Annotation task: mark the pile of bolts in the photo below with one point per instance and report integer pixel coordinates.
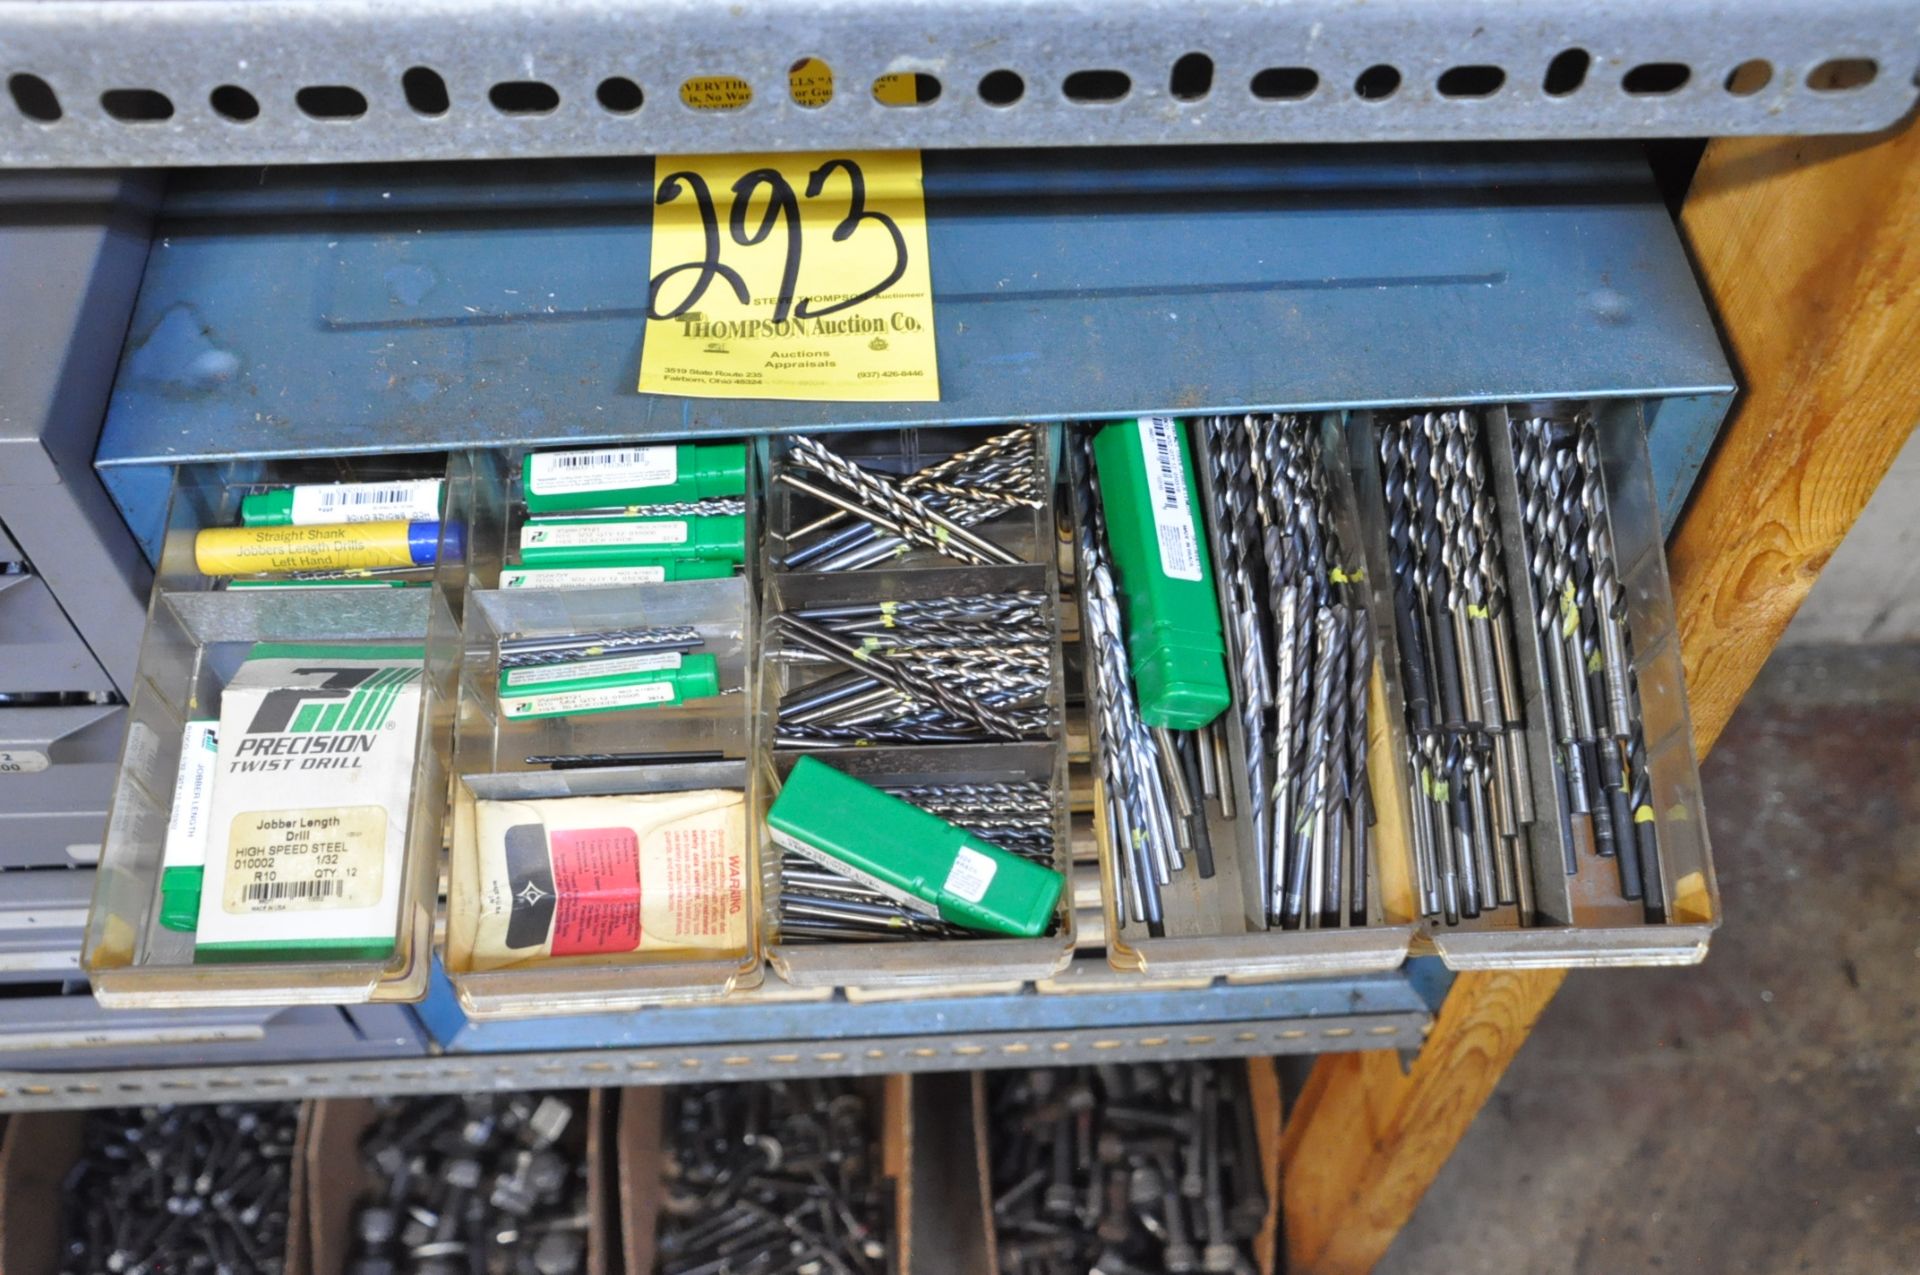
(199, 1190)
(475, 1185)
(1125, 1170)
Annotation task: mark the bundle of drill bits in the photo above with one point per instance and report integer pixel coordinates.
(477, 1185)
(876, 517)
(1473, 797)
(1301, 652)
(922, 671)
(819, 905)
(1125, 1170)
(775, 1177)
(532, 651)
(1139, 812)
(170, 1190)
(1593, 693)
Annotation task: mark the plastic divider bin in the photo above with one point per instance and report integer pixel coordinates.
(1583, 920)
(1214, 926)
(492, 752)
(1027, 533)
(925, 967)
(911, 968)
(197, 636)
(496, 512)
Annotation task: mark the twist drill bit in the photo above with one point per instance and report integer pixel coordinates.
(1606, 663)
(707, 507)
(1127, 767)
(1427, 466)
(525, 652)
(1003, 458)
(1460, 817)
(1455, 901)
(1493, 568)
(1306, 873)
(1360, 804)
(1559, 486)
(1273, 848)
(1413, 656)
(1610, 601)
(1541, 513)
(910, 517)
(902, 677)
(1328, 903)
(1646, 836)
(1227, 469)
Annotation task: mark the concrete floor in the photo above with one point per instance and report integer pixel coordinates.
(1760, 1113)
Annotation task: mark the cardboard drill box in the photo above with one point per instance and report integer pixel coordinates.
(308, 837)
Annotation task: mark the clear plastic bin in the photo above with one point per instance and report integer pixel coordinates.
(197, 635)
(1214, 927)
(1582, 920)
(912, 968)
(700, 743)
(1026, 533)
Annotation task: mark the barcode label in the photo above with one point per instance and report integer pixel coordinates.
(602, 469)
(275, 891)
(417, 500)
(1172, 501)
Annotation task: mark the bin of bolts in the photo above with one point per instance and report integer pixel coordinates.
(168, 1190)
(1125, 1169)
(777, 1177)
(487, 1183)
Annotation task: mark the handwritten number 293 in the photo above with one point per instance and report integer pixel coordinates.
(783, 205)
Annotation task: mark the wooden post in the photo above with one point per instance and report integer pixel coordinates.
(1810, 248)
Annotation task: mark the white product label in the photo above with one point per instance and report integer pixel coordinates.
(911, 902)
(575, 535)
(305, 860)
(186, 845)
(307, 839)
(970, 875)
(651, 662)
(416, 500)
(606, 697)
(23, 761)
(603, 469)
(1172, 504)
(581, 577)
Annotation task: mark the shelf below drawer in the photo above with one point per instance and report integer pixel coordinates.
(760, 1036)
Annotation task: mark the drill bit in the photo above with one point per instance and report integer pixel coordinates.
(969, 487)
(1225, 454)
(1540, 514)
(518, 651)
(1128, 769)
(881, 501)
(1360, 798)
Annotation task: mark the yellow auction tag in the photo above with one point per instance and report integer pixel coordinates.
(794, 276)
